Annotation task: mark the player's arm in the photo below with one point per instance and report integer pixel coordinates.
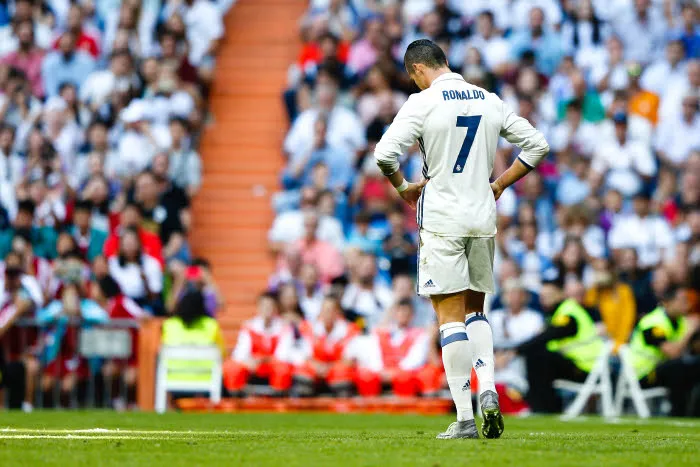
(406, 128)
(516, 130)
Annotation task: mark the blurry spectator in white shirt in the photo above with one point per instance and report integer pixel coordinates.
(205, 28)
(649, 234)
(513, 325)
(344, 128)
(138, 145)
(11, 165)
(667, 72)
(366, 296)
(493, 47)
(623, 164)
(642, 28)
(99, 85)
(140, 276)
(608, 72)
(677, 136)
(574, 134)
(672, 100)
(310, 292)
(185, 168)
(288, 226)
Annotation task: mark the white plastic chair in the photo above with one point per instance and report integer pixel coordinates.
(169, 383)
(598, 382)
(628, 387)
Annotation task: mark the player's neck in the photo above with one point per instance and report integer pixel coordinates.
(435, 74)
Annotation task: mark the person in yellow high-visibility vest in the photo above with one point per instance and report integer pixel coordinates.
(191, 326)
(659, 349)
(567, 348)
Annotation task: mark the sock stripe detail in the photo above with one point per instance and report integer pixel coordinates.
(458, 336)
(477, 317)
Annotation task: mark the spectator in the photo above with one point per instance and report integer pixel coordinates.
(512, 326)
(99, 86)
(288, 227)
(642, 102)
(67, 64)
(28, 57)
(623, 164)
(659, 344)
(90, 240)
(538, 37)
(192, 326)
(677, 136)
(614, 300)
(25, 10)
(43, 238)
(529, 260)
(397, 356)
(365, 52)
(399, 246)
(591, 106)
(255, 348)
(64, 364)
(139, 275)
(185, 165)
(205, 29)
(493, 48)
(646, 232)
(318, 252)
(107, 294)
(641, 28)
(317, 357)
(161, 215)
(139, 144)
(85, 40)
(11, 168)
(18, 107)
(312, 293)
(666, 72)
(366, 297)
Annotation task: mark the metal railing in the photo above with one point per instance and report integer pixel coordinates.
(70, 363)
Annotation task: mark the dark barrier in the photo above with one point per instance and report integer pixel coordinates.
(70, 364)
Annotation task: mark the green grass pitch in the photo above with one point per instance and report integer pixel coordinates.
(260, 440)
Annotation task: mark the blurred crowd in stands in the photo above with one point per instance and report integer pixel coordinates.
(102, 104)
(614, 85)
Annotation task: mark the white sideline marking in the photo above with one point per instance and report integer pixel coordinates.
(104, 433)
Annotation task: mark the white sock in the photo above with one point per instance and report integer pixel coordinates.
(458, 367)
(481, 343)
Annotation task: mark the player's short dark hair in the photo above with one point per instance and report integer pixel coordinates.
(426, 52)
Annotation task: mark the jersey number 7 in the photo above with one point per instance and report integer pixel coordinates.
(472, 124)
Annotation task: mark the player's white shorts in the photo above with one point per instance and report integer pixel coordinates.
(453, 264)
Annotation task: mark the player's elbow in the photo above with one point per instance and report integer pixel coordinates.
(388, 166)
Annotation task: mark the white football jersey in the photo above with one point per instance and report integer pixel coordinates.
(457, 126)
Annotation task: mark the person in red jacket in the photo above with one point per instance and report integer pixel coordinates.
(397, 356)
(255, 349)
(130, 216)
(313, 354)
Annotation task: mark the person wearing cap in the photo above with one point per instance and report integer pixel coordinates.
(659, 343)
(512, 325)
(623, 163)
(568, 347)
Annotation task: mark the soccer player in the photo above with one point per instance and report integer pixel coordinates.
(457, 126)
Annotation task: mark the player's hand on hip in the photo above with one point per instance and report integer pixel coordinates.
(412, 193)
(497, 190)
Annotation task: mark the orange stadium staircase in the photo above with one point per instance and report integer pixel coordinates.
(241, 151)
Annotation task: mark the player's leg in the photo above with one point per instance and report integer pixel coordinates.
(443, 276)
(480, 264)
(456, 358)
